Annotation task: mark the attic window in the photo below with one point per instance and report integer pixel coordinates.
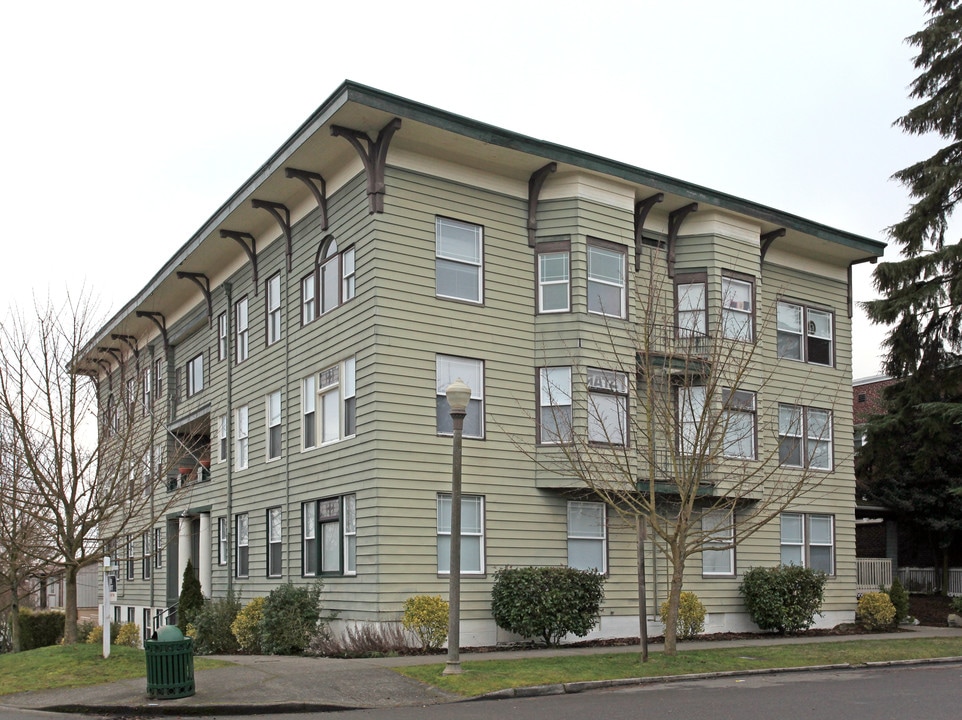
(861, 397)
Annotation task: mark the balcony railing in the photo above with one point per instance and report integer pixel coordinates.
(872, 574)
(676, 349)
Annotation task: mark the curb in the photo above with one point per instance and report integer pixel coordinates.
(196, 710)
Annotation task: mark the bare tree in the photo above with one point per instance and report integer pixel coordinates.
(93, 484)
(697, 466)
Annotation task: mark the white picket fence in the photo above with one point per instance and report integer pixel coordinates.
(930, 580)
(872, 574)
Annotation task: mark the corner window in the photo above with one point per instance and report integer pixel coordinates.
(606, 280)
(691, 305)
(308, 415)
(337, 527)
(472, 534)
(309, 533)
(337, 399)
(242, 555)
(738, 308)
(738, 407)
(718, 551)
(808, 540)
(241, 330)
(458, 260)
(554, 277)
(274, 542)
(274, 425)
(195, 375)
(222, 336)
(554, 405)
(308, 299)
(273, 292)
(805, 437)
(241, 428)
(587, 541)
(222, 541)
(607, 407)
(471, 372)
(805, 334)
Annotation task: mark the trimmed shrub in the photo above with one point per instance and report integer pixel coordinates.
(246, 626)
(957, 605)
(427, 617)
(129, 635)
(876, 611)
(191, 598)
(691, 616)
(212, 627)
(40, 628)
(547, 602)
(96, 634)
(84, 628)
(785, 599)
(900, 600)
(292, 616)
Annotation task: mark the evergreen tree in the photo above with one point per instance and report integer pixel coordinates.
(191, 598)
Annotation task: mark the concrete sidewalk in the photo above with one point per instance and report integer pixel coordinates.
(257, 684)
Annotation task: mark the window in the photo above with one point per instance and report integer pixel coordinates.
(471, 372)
(606, 280)
(692, 427)
(131, 614)
(222, 336)
(738, 295)
(805, 334)
(458, 260)
(158, 546)
(607, 407)
(808, 540)
(241, 565)
(308, 299)
(195, 375)
(337, 523)
(348, 289)
(554, 278)
(274, 425)
(586, 536)
(691, 302)
(129, 550)
(472, 534)
(241, 417)
(308, 405)
(554, 405)
(718, 553)
(222, 541)
(158, 378)
(337, 400)
(738, 407)
(805, 437)
(146, 555)
(241, 330)
(309, 532)
(146, 393)
(273, 291)
(274, 542)
(222, 438)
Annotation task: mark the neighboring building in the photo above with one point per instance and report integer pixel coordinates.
(300, 343)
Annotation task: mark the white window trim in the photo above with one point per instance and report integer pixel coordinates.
(734, 409)
(729, 306)
(222, 541)
(223, 442)
(603, 383)
(479, 230)
(602, 539)
(274, 421)
(719, 530)
(309, 533)
(806, 543)
(551, 395)
(464, 533)
(803, 334)
(477, 393)
(308, 408)
(622, 286)
(273, 315)
(309, 299)
(340, 390)
(242, 437)
(801, 436)
(275, 539)
(243, 541)
(222, 336)
(241, 330)
(542, 283)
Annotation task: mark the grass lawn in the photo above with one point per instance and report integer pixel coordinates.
(483, 676)
(68, 666)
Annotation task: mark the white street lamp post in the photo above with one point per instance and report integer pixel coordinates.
(458, 395)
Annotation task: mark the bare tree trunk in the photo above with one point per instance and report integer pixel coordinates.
(674, 600)
(15, 623)
(642, 590)
(70, 606)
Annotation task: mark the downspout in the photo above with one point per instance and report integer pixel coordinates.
(154, 464)
(230, 440)
(287, 439)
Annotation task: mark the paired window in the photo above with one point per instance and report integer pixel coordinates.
(718, 550)
(274, 425)
(222, 438)
(146, 555)
(308, 299)
(222, 541)
(606, 280)
(459, 248)
(242, 551)
(805, 334)
(273, 292)
(334, 521)
(738, 308)
(739, 423)
(241, 330)
(471, 372)
(308, 412)
(222, 336)
(805, 437)
(334, 280)
(274, 542)
(158, 546)
(808, 540)
(195, 375)
(587, 538)
(241, 428)
(554, 277)
(472, 534)
(607, 407)
(337, 397)
(554, 405)
(691, 303)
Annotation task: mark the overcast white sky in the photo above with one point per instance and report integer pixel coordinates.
(127, 124)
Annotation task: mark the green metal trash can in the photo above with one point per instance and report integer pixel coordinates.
(170, 665)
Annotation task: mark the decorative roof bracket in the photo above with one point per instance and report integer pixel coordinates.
(116, 354)
(203, 282)
(851, 302)
(282, 215)
(242, 238)
(675, 219)
(767, 239)
(642, 208)
(105, 366)
(535, 183)
(315, 183)
(374, 157)
(130, 341)
(161, 324)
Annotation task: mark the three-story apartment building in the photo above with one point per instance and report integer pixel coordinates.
(293, 357)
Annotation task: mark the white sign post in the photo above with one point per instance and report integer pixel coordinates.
(110, 589)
